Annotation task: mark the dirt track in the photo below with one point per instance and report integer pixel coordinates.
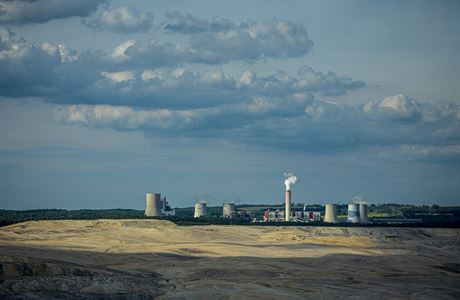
(144, 259)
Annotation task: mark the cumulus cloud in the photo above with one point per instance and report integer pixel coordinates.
(121, 19)
(23, 65)
(328, 84)
(399, 107)
(179, 22)
(255, 40)
(310, 125)
(118, 76)
(41, 11)
(229, 116)
(31, 70)
(63, 75)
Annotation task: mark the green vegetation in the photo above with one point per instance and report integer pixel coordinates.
(373, 214)
(432, 216)
(8, 217)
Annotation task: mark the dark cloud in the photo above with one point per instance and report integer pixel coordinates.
(26, 12)
(66, 76)
(120, 19)
(46, 70)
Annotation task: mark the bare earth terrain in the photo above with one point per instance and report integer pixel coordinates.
(138, 259)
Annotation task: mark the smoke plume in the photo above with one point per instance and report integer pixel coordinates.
(290, 180)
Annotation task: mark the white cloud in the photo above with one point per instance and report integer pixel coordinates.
(119, 52)
(152, 74)
(117, 77)
(400, 105)
(121, 19)
(123, 118)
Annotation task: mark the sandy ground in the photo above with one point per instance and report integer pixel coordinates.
(142, 259)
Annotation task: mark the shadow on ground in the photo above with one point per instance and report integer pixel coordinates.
(28, 272)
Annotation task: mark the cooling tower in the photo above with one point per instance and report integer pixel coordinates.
(200, 209)
(229, 210)
(330, 215)
(353, 216)
(287, 214)
(363, 210)
(153, 205)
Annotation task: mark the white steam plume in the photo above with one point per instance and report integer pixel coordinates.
(290, 181)
(358, 199)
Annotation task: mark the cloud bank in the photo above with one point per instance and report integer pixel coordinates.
(41, 11)
(307, 125)
(180, 89)
(145, 75)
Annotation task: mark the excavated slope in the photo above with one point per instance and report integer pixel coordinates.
(152, 258)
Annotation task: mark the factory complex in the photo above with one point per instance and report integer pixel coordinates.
(156, 206)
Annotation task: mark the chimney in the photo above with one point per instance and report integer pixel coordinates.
(287, 212)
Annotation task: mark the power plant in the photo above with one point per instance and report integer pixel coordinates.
(229, 210)
(200, 209)
(330, 214)
(357, 210)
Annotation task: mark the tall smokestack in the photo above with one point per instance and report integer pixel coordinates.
(287, 211)
(289, 182)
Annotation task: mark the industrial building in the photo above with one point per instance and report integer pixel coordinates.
(330, 214)
(358, 211)
(229, 210)
(166, 208)
(363, 213)
(200, 209)
(155, 206)
(296, 216)
(353, 213)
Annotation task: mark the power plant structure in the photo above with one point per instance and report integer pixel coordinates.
(363, 213)
(289, 182)
(166, 209)
(153, 205)
(357, 209)
(287, 214)
(229, 210)
(330, 214)
(353, 213)
(200, 209)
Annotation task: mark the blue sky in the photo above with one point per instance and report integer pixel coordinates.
(103, 101)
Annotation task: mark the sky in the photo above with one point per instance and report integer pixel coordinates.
(104, 101)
